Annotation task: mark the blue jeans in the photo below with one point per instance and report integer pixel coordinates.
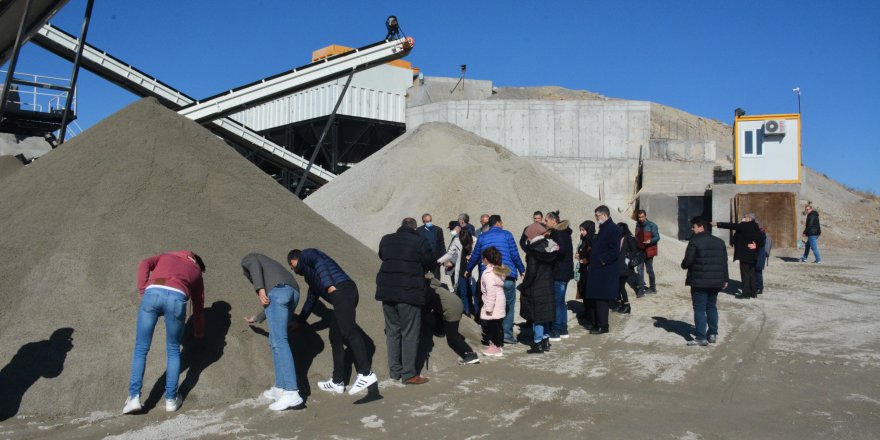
(155, 303)
(560, 322)
(509, 309)
(705, 312)
(282, 302)
(464, 292)
(811, 244)
(538, 328)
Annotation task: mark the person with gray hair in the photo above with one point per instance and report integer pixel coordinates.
(747, 239)
(464, 220)
(401, 286)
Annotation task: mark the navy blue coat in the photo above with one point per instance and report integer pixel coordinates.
(320, 272)
(604, 268)
(406, 256)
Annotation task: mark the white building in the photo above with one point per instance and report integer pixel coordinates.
(768, 149)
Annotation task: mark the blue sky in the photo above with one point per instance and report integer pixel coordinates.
(704, 57)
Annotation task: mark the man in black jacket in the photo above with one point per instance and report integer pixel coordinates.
(811, 234)
(401, 286)
(706, 262)
(328, 281)
(746, 242)
(434, 236)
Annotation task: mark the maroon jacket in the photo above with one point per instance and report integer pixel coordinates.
(180, 271)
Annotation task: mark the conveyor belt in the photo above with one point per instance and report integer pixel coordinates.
(136, 81)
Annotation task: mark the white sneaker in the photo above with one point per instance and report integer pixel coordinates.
(331, 387)
(565, 336)
(272, 393)
(172, 405)
(362, 382)
(288, 399)
(555, 339)
(132, 404)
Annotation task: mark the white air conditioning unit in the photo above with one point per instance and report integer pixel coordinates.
(774, 127)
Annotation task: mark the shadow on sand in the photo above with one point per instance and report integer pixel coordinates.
(32, 361)
(681, 328)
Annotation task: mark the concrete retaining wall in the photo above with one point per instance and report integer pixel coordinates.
(676, 177)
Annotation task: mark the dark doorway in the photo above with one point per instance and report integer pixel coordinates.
(688, 208)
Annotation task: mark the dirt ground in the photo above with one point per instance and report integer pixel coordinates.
(799, 362)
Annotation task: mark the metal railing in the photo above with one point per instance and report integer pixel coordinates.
(39, 93)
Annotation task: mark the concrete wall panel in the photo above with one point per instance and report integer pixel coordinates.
(566, 123)
(516, 135)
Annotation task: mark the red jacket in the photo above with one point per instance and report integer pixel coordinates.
(179, 271)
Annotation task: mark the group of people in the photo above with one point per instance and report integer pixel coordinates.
(483, 265)
(167, 281)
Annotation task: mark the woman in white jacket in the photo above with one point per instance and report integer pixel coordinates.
(454, 261)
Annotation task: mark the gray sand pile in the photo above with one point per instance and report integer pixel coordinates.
(143, 181)
(9, 165)
(443, 169)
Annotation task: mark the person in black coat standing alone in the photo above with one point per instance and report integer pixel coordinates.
(434, 235)
(537, 297)
(604, 270)
(401, 286)
(706, 262)
(746, 242)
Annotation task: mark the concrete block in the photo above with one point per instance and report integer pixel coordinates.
(682, 150)
(676, 177)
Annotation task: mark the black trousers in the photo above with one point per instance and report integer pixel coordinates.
(599, 312)
(344, 331)
(622, 295)
(455, 340)
(749, 279)
(494, 331)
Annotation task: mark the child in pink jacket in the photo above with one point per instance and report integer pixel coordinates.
(492, 313)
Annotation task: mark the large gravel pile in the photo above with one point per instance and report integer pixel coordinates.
(146, 180)
(9, 165)
(444, 170)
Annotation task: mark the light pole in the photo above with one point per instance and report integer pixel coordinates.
(797, 91)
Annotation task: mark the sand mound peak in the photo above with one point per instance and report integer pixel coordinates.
(444, 170)
(143, 181)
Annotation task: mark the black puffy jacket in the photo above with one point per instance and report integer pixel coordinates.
(706, 262)
(538, 296)
(629, 250)
(406, 256)
(563, 268)
(746, 232)
(812, 225)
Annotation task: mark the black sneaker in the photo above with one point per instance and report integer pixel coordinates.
(536, 348)
(700, 342)
(599, 331)
(713, 339)
(652, 290)
(469, 359)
